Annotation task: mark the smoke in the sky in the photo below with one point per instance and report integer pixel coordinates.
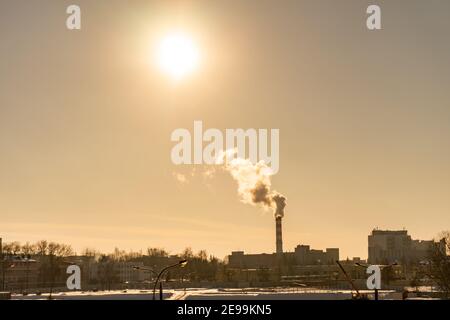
(254, 185)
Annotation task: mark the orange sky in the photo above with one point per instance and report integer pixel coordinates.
(86, 117)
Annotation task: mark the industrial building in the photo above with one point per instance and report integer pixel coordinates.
(303, 255)
(19, 272)
(386, 246)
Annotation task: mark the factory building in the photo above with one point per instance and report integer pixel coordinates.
(386, 246)
(302, 256)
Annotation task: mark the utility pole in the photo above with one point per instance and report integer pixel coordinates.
(2, 263)
(28, 271)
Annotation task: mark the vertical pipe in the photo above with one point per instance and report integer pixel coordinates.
(279, 235)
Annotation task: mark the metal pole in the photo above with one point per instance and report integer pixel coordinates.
(348, 278)
(160, 291)
(156, 283)
(26, 282)
(181, 263)
(159, 276)
(3, 274)
(2, 262)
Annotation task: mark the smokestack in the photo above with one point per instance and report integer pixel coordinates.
(254, 187)
(279, 235)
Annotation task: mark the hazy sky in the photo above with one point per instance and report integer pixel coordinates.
(86, 118)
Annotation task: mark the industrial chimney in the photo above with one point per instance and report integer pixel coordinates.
(279, 235)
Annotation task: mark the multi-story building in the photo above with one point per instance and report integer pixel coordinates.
(306, 256)
(387, 247)
(19, 273)
(302, 255)
(127, 271)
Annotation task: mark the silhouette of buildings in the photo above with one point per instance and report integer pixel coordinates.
(386, 246)
(302, 256)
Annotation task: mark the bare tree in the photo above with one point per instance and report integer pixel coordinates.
(52, 256)
(187, 253)
(107, 272)
(41, 247)
(118, 255)
(440, 263)
(202, 255)
(12, 248)
(89, 252)
(29, 249)
(157, 252)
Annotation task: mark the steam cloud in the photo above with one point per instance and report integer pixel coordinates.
(254, 184)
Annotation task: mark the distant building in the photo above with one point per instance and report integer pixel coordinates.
(238, 259)
(127, 272)
(19, 273)
(89, 268)
(302, 256)
(387, 246)
(305, 256)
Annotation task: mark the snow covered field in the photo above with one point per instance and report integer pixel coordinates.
(100, 295)
(210, 294)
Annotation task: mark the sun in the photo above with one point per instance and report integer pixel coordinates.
(178, 55)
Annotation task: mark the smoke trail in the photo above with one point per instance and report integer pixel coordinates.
(280, 203)
(254, 185)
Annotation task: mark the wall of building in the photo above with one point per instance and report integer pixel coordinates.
(303, 255)
(20, 273)
(387, 247)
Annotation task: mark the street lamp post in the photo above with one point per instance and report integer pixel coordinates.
(181, 264)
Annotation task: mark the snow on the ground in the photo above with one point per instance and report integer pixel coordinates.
(214, 294)
(100, 295)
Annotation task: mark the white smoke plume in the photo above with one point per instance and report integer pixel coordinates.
(254, 185)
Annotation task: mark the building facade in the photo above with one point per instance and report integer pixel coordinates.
(302, 256)
(386, 247)
(19, 273)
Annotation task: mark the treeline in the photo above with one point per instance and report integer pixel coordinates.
(200, 266)
(440, 264)
(151, 255)
(54, 257)
(51, 257)
(40, 248)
